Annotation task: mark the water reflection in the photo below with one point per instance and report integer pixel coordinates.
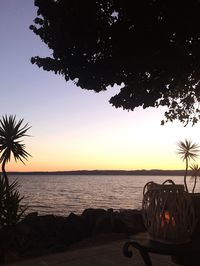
(62, 194)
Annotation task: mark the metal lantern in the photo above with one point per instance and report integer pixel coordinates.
(168, 212)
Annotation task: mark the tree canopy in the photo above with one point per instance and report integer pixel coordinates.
(149, 47)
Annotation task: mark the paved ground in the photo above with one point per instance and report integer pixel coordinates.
(109, 254)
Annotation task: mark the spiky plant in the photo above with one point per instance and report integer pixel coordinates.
(188, 151)
(195, 174)
(11, 132)
(10, 209)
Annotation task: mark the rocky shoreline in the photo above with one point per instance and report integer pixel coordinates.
(39, 235)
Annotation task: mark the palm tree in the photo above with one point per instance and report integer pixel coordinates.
(195, 173)
(188, 151)
(11, 131)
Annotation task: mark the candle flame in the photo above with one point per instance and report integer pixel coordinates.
(167, 219)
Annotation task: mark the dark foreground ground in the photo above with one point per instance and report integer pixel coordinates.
(42, 235)
(95, 237)
(94, 253)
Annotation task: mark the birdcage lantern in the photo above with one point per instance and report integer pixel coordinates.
(168, 212)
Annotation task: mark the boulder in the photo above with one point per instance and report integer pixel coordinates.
(90, 216)
(133, 221)
(74, 229)
(109, 223)
(42, 235)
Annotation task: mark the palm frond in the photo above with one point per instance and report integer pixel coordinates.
(11, 131)
(188, 150)
(195, 170)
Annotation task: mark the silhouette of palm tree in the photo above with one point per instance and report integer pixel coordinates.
(195, 173)
(188, 151)
(11, 131)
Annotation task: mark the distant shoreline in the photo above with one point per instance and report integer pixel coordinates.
(106, 172)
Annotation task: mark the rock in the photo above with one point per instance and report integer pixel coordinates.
(43, 234)
(133, 221)
(120, 226)
(31, 215)
(22, 235)
(49, 232)
(103, 225)
(110, 223)
(126, 221)
(74, 229)
(90, 216)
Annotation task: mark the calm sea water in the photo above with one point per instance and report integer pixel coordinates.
(62, 194)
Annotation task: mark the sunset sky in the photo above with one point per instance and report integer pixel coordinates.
(73, 128)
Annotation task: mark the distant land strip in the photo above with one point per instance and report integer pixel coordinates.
(107, 172)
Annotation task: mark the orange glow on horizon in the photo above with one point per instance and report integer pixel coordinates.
(93, 163)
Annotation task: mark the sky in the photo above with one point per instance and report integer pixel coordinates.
(71, 128)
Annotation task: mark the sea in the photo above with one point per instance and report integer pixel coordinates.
(63, 194)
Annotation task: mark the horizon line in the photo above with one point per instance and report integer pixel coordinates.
(96, 171)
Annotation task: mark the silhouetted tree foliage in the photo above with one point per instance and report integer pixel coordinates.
(150, 47)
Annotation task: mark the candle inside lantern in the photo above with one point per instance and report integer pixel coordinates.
(166, 219)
